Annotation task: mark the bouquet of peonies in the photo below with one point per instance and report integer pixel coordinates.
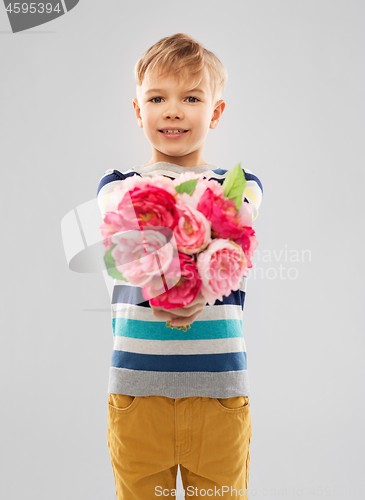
(176, 238)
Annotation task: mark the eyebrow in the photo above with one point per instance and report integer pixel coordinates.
(183, 92)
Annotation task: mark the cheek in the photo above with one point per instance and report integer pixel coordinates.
(150, 125)
(202, 121)
(203, 126)
(149, 117)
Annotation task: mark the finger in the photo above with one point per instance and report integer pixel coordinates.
(199, 299)
(185, 313)
(195, 307)
(189, 310)
(184, 321)
(163, 315)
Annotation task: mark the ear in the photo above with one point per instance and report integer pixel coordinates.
(217, 113)
(137, 110)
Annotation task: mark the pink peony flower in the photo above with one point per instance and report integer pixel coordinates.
(124, 211)
(247, 241)
(130, 183)
(223, 215)
(181, 284)
(150, 206)
(221, 267)
(192, 232)
(135, 255)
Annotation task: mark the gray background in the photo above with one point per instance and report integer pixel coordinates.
(295, 117)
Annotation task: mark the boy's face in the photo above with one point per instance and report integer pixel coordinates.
(171, 106)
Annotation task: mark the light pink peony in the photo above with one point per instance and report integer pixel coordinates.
(106, 235)
(221, 267)
(187, 176)
(245, 214)
(192, 233)
(181, 284)
(213, 185)
(113, 223)
(135, 255)
(200, 187)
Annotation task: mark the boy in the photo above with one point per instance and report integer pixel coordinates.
(178, 397)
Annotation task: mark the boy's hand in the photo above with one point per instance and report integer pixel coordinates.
(183, 315)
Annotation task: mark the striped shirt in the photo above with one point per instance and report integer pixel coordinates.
(210, 358)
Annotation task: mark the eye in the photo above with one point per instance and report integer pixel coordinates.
(191, 97)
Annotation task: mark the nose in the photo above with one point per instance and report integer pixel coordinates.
(173, 111)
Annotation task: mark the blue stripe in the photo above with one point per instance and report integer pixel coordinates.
(180, 363)
(157, 330)
(248, 177)
(220, 171)
(115, 176)
(251, 177)
(124, 294)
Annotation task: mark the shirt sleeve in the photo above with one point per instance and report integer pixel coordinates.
(109, 180)
(253, 191)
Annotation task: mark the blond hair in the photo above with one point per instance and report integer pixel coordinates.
(179, 55)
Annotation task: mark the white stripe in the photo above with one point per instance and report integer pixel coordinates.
(104, 191)
(243, 286)
(254, 186)
(175, 175)
(214, 175)
(256, 189)
(209, 313)
(108, 187)
(201, 346)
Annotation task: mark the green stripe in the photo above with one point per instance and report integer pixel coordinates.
(215, 329)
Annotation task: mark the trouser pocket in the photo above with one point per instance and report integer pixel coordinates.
(121, 402)
(234, 402)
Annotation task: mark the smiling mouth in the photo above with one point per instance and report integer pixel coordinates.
(173, 132)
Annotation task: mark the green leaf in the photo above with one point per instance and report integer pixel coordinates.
(110, 265)
(187, 186)
(234, 185)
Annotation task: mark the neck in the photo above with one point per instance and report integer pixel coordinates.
(182, 161)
